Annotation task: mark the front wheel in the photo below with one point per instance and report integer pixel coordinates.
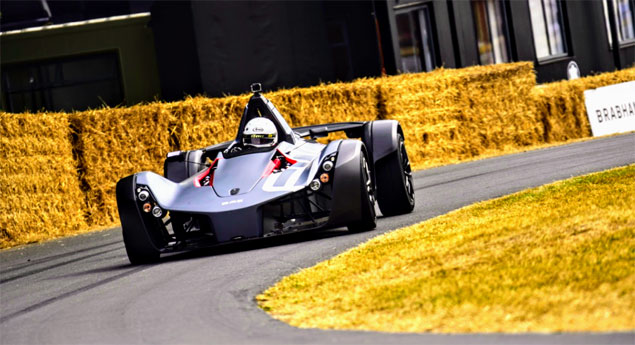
(395, 191)
(138, 241)
(368, 219)
(138, 247)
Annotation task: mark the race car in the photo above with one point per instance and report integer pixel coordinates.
(271, 180)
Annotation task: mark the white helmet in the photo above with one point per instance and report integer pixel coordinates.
(260, 132)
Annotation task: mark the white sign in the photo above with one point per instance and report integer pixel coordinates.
(611, 109)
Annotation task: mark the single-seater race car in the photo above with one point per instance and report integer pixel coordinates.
(271, 180)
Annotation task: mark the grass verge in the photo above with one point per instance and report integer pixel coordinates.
(555, 258)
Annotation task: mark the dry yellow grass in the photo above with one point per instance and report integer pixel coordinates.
(40, 197)
(555, 258)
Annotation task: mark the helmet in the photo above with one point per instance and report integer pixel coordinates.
(260, 132)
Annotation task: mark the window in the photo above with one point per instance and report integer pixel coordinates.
(548, 30)
(491, 31)
(415, 41)
(73, 83)
(624, 19)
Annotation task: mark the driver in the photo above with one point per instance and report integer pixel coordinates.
(260, 132)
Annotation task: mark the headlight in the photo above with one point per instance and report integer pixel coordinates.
(315, 185)
(157, 211)
(143, 195)
(327, 166)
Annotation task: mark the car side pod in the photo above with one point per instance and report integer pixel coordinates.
(142, 244)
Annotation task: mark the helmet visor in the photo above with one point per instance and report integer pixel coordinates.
(259, 140)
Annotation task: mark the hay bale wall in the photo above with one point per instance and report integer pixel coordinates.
(198, 122)
(339, 102)
(40, 196)
(113, 143)
(451, 115)
(561, 107)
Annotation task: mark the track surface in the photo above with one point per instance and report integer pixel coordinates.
(82, 289)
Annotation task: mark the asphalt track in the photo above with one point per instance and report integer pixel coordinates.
(82, 289)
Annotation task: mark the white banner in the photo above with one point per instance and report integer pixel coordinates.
(611, 109)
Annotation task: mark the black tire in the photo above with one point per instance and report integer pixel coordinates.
(395, 189)
(140, 250)
(368, 220)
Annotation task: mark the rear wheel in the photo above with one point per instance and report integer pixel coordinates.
(368, 219)
(395, 192)
(138, 247)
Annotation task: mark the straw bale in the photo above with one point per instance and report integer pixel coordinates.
(40, 196)
(337, 102)
(561, 106)
(14, 146)
(454, 114)
(326, 103)
(198, 122)
(113, 143)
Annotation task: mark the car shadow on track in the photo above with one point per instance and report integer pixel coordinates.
(260, 243)
(220, 249)
(216, 250)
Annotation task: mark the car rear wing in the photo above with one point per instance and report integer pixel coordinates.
(352, 129)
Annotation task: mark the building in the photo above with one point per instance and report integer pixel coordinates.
(551, 33)
(74, 55)
(64, 55)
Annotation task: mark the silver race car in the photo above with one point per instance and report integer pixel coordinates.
(271, 180)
